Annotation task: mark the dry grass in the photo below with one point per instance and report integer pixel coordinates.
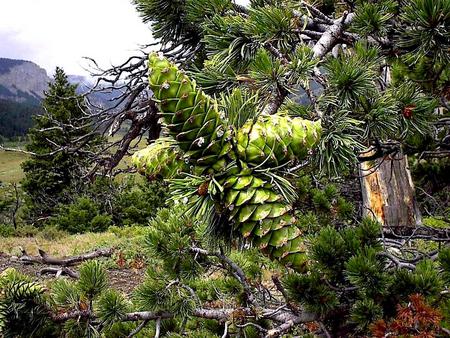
(66, 246)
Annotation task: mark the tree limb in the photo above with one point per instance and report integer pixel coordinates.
(332, 35)
(44, 258)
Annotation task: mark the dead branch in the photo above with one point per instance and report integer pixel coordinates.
(332, 35)
(141, 327)
(59, 272)
(276, 281)
(44, 258)
(397, 261)
(408, 233)
(285, 317)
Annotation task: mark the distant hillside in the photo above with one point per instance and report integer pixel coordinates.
(101, 99)
(22, 81)
(22, 86)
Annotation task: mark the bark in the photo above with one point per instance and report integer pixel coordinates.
(59, 271)
(388, 191)
(332, 35)
(43, 258)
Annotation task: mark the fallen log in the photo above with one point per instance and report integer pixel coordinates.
(45, 259)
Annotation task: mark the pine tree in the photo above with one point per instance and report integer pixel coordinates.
(61, 142)
(250, 97)
(258, 61)
(373, 72)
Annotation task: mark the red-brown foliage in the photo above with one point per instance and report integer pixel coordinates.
(416, 320)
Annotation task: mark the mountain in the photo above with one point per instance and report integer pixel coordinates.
(22, 86)
(100, 99)
(22, 81)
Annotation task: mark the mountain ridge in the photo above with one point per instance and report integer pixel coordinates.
(22, 80)
(22, 87)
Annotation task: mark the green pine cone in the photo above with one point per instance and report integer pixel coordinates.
(190, 115)
(277, 139)
(160, 159)
(262, 215)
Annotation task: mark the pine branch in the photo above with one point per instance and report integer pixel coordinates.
(332, 35)
(237, 272)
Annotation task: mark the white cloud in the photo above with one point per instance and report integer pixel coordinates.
(59, 33)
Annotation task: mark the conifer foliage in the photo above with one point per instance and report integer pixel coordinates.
(261, 107)
(61, 143)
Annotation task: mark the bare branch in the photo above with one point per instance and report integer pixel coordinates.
(332, 35)
(59, 271)
(141, 327)
(43, 258)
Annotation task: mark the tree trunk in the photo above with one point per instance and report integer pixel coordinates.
(388, 191)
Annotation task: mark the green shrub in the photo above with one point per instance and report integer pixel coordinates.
(129, 202)
(139, 202)
(436, 222)
(26, 230)
(100, 223)
(81, 216)
(6, 230)
(51, 232)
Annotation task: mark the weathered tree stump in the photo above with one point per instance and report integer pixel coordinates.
(388, 191)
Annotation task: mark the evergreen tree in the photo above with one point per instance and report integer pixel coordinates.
(373, 72)
(250, 97)
(61, 143)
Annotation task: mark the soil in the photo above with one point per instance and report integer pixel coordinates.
(124, 280)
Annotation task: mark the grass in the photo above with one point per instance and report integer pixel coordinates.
(129, 240)
(10, 169)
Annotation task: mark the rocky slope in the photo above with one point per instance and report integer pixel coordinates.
(22, 81)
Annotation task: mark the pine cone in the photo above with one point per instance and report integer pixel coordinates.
(190, 115)
(160, 159)
(262, 215)
(277, 139)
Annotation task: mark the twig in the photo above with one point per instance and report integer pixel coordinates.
(397, 261)
(324, 329)
(225, 331)
(59, 271)
(282, 290)
(141, 326)
(238, 273)
(259, 327)
(158, 328)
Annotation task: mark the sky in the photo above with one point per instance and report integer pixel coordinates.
(61, 32)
